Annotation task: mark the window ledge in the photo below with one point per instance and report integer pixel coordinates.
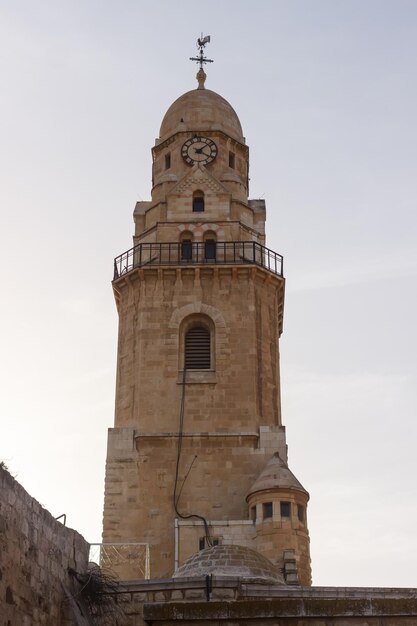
(197, 376)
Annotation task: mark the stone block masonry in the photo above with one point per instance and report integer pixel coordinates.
(36, 553)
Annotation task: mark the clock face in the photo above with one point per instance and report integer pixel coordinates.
(199, 150)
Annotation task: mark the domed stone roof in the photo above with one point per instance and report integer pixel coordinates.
(230, 561)
(201, 110)
(276, 475)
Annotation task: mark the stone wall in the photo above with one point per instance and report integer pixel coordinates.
(35, 554)
(244, 307)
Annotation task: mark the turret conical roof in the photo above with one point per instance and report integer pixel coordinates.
(276, 475)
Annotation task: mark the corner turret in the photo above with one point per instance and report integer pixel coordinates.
(278, 506)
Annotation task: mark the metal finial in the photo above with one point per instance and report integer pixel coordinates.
(201, 77)
(201, 59)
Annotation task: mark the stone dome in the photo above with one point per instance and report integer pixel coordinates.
(230, 561)
(201, 110)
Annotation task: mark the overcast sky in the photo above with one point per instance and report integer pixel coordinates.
(326, 93)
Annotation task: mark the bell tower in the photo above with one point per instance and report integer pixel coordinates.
(198, 455)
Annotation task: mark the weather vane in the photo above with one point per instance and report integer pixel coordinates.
(201, 59)
(201, 44)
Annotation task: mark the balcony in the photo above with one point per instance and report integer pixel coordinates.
(198, 253)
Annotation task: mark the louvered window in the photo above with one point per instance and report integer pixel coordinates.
(197, 349)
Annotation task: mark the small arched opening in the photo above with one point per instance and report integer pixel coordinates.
(198, 201)
(210, 245)
(186, 246)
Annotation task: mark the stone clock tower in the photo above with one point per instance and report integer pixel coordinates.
(197, 456)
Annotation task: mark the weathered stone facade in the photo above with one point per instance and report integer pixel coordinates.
(36, 552)
(202, 433)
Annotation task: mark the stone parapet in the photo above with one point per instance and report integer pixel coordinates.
(232, 600)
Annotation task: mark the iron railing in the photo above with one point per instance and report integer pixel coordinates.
(198, 253)
(128, 560)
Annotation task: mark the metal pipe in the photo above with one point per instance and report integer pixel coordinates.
(177, 545)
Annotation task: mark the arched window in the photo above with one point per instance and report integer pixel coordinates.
(198, 201)
(186, 246)
(197, 348)
(210, 246)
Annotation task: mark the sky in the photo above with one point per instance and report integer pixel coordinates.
(326, 93)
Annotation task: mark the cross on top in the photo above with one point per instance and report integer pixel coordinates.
(201, 44)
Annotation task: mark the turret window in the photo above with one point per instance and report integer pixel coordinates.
(301, 513)
(285, 509)
(197, 349)
(267, 510)
(232, 160)
(198, 202)
(168, 161)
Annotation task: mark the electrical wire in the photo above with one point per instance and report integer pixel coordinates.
(177, 467)
(186, 476)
